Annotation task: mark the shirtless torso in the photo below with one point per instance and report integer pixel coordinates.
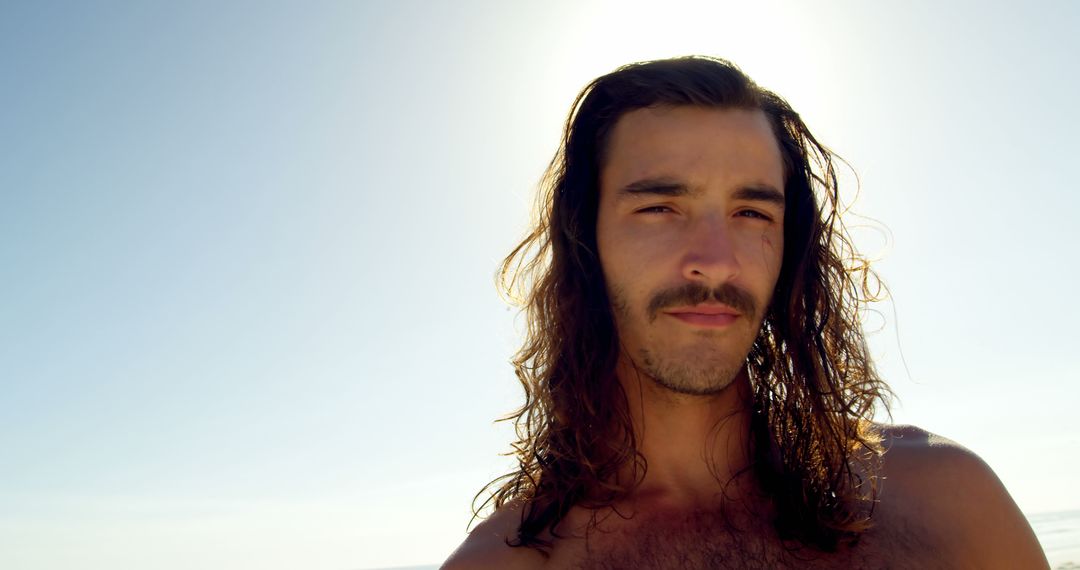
(940, 507)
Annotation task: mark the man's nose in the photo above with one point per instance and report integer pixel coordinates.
(709, 256)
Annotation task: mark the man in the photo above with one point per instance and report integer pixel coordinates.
(698, 390)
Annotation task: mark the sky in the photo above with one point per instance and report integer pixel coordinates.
(248, 315)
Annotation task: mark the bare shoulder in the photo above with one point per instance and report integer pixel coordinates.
(945, 488)
(934, 466)
(486, 547)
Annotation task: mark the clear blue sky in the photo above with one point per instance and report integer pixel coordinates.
(247, 250)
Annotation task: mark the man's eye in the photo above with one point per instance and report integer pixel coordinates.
(754, 214)
(654, 210)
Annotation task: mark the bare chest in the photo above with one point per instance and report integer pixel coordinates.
(705, 542)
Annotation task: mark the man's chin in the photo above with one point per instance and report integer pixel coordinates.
(692, 388)
(693, 381)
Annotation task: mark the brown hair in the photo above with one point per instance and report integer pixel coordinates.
(814, 386)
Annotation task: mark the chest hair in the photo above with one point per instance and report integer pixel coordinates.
(711, 541)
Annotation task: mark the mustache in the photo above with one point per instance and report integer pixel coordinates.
(695, 294)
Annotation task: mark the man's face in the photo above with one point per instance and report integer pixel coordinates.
(690, 232)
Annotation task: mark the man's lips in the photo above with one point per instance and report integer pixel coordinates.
(706, 315)
(704, 309)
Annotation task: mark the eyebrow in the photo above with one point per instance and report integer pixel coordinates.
(760, 193)
(670, 187)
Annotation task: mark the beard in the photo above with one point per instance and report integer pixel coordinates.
(706, 365)
(706, 377)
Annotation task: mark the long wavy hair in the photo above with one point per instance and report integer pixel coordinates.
(814, 386)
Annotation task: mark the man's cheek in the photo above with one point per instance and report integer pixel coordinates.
(771, 255)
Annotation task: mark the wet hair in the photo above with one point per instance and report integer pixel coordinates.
(814, 387)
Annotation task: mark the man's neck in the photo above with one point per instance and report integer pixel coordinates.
(694, 445)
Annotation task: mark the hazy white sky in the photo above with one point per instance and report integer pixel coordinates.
(247, 250)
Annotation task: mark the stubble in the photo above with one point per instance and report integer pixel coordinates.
(702, 368)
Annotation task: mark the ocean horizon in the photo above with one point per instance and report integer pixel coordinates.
(1058, 533)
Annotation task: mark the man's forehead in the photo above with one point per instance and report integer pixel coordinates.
(654, 114)
(677, 142)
